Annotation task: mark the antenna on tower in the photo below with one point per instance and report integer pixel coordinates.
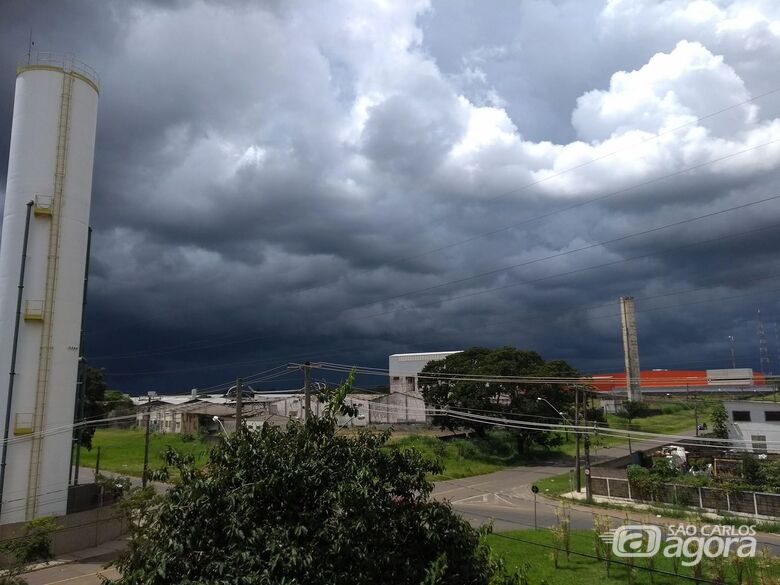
(777, 343)
(30, 44)
(766, 367)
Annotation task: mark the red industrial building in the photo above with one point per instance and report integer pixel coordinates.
(655, 381)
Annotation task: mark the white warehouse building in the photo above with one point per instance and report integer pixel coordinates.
(404, 369)
(755, 424)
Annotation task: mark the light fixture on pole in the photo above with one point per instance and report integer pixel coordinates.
(217, 420)
(558, 412)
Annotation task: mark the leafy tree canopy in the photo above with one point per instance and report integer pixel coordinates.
(95, 389)
(304, 505)
(719, 418)
(516, 399)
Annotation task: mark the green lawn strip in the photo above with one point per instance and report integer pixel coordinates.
(122, 450)
(581, 569)
(774, 397)
(556, 485)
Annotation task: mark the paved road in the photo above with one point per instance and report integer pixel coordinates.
(86, 572)
(505, 498)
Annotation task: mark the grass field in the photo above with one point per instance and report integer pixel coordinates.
(580, 569)
(467, 457)
(122, 450)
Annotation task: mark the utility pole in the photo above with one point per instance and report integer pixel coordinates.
(81, 384)
(144, 478)
(81, 396)
(587, 469)
(577, 437)
(306, 391)
(239, 402)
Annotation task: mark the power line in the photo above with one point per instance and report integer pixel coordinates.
(589, 201)
(572, 272)
(573, 251)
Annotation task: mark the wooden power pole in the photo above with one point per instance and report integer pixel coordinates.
(306, 391)
(239, 402)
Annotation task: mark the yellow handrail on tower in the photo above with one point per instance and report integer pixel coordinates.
(44, 360)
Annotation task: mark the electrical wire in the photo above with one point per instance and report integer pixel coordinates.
(568, 252)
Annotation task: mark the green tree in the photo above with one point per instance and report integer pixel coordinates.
(95, 388)
(99, 401)
(304, 505)
(117, 403)
(519, 400)
(632, 409)
(719, 418)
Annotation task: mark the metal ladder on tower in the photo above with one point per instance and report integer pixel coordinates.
(44, 359)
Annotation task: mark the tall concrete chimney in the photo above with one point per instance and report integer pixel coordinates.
(630, 348)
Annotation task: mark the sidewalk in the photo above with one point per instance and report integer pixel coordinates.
(113, 547)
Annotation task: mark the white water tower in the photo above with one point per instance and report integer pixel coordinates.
(45, 220)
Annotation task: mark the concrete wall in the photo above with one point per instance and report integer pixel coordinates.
(397, 408)
(77, 531)
(756, 503)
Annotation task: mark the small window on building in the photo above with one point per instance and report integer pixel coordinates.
(396, 378)
(740, 416)
(772, 415)
(759, 443)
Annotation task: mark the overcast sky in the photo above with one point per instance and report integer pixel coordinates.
(338, 181)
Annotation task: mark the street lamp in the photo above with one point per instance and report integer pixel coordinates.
(558, 412)
(217, 420)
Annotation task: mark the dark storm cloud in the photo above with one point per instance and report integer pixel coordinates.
(270, 178)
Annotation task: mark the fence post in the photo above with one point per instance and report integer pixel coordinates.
(755, 503)
(728, 502)
(701, 501)
(629, 489)
(674, 493)
(609, 495)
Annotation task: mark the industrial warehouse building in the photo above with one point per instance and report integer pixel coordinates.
(734, 380)
(404, 369)
(193, 414)
(755, 424)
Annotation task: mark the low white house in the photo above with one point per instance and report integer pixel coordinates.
(404, 369)
(294, 406)
(756, 424)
